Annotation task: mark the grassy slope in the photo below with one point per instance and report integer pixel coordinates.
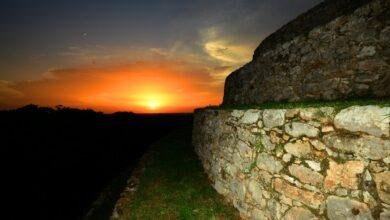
(338, 105)
(174, 186)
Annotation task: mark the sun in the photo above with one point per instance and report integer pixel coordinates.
(153, 105)
(152, 102)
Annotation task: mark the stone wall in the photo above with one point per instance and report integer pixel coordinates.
(310, 163)
(339, 49)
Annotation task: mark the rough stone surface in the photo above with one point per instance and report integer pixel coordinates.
(299, 213)
(314, 165)
(382, 181)
(343, 57)
(237, 113)
(255, 189)
(286, 158)
(273, 118)
(373, 120)
(268, 173)
(308, 113)
(297, 129)
(268, 163)
(344, 175)
(385, 215)
(365, 146)
(306, 175)
(298, 149)
(343, 208)
(317, 144)
(306, 197)
(327, 128)
(266, 142)
(250, 117)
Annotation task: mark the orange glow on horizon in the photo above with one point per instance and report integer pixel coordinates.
(140, 87)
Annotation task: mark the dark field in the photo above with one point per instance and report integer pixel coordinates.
(55, 162)
(173, 185)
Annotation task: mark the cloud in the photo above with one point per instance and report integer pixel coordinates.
(226, 52)
(8, 96)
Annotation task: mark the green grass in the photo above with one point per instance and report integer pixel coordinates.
(174, 186)
(338, 105)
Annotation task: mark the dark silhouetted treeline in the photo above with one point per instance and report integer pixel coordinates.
(55, 162)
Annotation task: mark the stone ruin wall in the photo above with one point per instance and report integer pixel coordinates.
(310, 163)
(339, 49)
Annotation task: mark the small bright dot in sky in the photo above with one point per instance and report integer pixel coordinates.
(153, 105)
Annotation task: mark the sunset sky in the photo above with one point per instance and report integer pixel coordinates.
(123, 55)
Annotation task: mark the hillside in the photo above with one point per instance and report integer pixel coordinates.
(170, 184)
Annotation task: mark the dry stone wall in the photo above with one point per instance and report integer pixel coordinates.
(309, 163)
(339, 49)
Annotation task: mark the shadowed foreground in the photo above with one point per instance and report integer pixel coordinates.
(55, 162)
(172, 185)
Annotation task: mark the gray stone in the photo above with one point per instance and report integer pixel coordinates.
(385, 34)
(260, 215)
(367, 52)
(317, 144)
(296, 213)
(311, 188)
(327, 111)
(255, 191)
(373, 120)
(314, 123)
(314, 165)
(297, 129)
(367, 176)
(244, 149)
(308, 113)
(255, 130)
(385, 215)
(366, 146)
(298, 149)
(250, 117)
(306, 175)
(246, 135)
(341, 192)
(269, 163)
(368, 199)
(220, 188)
(239, 189)
(266, 142)
(273, 117)
(260, 124)
(237, 113)
(231, 169)
(275, 208)
(382, 182)
(291, 113)
(343, 208)
(327, 129)
(240, 162)
(286, 158)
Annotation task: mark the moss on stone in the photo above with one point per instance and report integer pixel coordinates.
(338, 105)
